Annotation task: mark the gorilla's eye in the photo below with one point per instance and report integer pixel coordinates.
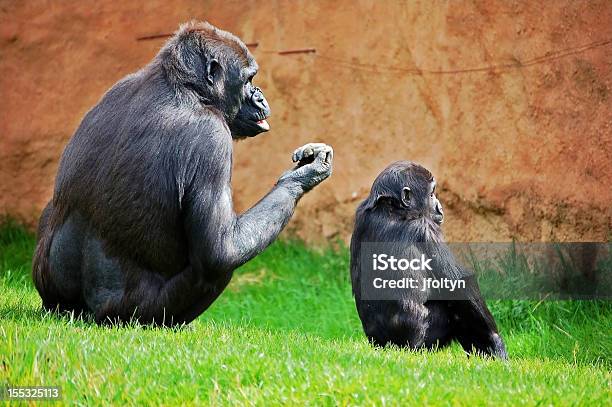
(433, 191)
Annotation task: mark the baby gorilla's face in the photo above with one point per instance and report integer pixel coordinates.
(421, 197)
(437, 214)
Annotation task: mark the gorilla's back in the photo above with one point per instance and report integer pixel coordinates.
(113, 173)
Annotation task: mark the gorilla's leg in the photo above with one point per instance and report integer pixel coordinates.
(475, 329)
(150, 300)
(122, 291)
(175, 301)
(103, 276)
(40, 263)
(409, 329)
(407, 325)
(439, 332)
(65, 258)
(375, 329)
(192, 306)
(63, 266)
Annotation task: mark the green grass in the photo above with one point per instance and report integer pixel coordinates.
(286, 331)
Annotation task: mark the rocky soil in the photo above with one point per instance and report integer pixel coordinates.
(508, 102)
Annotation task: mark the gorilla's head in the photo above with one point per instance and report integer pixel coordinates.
(407, 189)
(216, 69)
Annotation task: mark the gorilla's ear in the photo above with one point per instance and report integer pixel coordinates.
(406, 196)
(212, 70)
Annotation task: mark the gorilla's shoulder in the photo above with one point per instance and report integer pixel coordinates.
(195, 125)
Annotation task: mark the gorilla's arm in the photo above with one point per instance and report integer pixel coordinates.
(219, 239)
(256, 228)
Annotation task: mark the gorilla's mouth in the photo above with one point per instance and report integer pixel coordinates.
(263, 124)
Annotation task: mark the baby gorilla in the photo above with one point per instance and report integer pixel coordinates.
(403, 214)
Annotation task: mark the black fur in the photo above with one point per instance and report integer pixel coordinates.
(412, 217)
(141, 225)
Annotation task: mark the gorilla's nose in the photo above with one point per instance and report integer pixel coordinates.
(439, 210)
(260, 101)
(258, 96)
(438, 214)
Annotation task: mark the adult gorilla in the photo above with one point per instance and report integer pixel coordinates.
(141, 225)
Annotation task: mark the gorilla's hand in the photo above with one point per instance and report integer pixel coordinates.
(307, 153)
(314, 164)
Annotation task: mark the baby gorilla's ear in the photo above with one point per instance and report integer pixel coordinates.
(406, 193)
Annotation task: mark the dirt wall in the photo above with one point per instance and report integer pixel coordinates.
(508, 102)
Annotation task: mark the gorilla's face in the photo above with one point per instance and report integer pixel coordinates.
(223, 78)
(424, 201)
(254, 108)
